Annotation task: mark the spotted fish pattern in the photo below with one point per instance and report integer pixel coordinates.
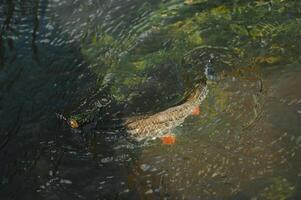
(156, 125)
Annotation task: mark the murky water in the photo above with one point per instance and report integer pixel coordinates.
(99, 61)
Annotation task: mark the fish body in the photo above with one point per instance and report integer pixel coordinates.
(158, 124)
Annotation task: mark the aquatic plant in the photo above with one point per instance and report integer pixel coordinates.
(253, 32)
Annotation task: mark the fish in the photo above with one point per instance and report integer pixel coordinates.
(161, 123)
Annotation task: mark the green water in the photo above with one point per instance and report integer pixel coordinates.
(100, 61)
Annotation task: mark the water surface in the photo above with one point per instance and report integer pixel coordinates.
(99, 61)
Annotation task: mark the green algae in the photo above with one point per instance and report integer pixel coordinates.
(253, 31)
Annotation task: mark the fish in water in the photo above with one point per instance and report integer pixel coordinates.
(161, 123)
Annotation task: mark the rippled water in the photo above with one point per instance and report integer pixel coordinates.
(100, 61)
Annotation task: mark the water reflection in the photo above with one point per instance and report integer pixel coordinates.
(99, 61)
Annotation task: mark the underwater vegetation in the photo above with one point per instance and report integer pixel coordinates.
(177, 37)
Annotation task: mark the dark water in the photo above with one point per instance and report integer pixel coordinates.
(97, 61)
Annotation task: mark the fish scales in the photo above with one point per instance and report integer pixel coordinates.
(160, 123)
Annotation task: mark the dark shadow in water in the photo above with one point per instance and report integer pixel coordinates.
(39, 152)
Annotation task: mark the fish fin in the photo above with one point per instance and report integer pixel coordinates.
(168, 139)
(196, 111)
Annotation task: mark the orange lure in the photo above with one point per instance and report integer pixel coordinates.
(73, 123)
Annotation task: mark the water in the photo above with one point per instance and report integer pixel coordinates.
(100, 61)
